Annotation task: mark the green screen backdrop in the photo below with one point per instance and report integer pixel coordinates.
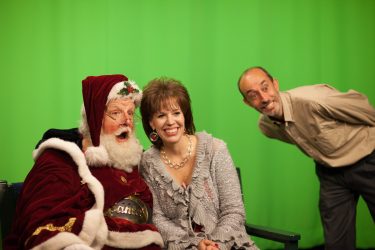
(47, 47)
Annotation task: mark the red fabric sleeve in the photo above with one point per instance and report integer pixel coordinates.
(52, 194)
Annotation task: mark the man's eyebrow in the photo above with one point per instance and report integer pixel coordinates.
(252, 90)
(263, 82)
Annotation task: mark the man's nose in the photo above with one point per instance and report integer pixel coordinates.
(264, 97)
(126, 119)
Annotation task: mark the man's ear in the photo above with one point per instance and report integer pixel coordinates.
(276, 84)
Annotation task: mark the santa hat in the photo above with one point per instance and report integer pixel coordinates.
(97, 91)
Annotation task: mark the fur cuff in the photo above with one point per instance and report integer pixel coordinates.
(93, 226)
(135, 239)
(59, 241)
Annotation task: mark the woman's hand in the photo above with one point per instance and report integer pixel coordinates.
(207, 245)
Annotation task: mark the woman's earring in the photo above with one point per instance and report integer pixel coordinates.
(153, 136)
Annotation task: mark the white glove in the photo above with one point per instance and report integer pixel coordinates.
(78, 246)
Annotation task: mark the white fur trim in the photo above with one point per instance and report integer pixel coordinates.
(134, 240)
(78, 246)
(136, 97)
(101, 235)
(78, 157)
(90, 227)
(97, 156)
(59, 241)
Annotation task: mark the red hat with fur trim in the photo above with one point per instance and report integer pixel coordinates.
(98, 91)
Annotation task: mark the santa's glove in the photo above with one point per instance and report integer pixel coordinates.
(78, 246)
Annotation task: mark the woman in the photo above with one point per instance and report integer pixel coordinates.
(197, 196)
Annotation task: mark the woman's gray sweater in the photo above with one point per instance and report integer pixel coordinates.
(212, 200)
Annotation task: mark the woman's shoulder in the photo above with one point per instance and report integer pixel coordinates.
(149, 157)
(150, 152)
(208, 143)
(208, 138)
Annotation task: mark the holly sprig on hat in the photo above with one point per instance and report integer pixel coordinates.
(128, 89)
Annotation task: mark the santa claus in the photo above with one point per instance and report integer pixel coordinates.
(89, 194)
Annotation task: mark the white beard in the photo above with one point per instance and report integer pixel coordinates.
(121, 155)
(124, 155)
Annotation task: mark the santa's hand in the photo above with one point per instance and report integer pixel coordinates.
(78, 246)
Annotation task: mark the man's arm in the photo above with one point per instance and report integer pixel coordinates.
(350, 107)
(50, 203)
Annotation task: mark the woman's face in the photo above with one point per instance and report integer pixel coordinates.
(169, 122)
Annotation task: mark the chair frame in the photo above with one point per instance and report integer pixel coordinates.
(289, 239)
(8, 199)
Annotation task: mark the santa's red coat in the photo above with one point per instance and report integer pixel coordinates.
(62, 203)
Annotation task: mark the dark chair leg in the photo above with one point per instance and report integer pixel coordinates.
(291, 245)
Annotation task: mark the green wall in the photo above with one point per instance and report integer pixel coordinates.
(48, 47)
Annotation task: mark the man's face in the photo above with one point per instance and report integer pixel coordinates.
(118, 119)
(261, 93)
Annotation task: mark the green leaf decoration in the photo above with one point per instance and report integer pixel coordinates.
(128, 89)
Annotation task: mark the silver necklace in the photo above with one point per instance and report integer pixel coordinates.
(183, 162)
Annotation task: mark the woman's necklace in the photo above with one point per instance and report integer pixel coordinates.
(183, 162)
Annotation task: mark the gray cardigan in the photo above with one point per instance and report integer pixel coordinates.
(213, 199)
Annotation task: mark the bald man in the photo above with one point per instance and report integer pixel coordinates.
(335, 129)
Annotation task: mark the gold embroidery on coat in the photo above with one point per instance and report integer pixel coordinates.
(123, 179)
(50, 227)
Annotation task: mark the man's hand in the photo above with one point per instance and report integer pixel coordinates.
(207, 245)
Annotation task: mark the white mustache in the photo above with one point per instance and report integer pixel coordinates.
(122, 130)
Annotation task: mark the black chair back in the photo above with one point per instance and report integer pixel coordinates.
(8, 199)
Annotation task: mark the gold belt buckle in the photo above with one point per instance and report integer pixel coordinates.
(132, 209)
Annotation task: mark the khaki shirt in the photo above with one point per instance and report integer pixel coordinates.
(335, 129)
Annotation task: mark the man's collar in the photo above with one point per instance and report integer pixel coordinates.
(287, 110)
(286, 106)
